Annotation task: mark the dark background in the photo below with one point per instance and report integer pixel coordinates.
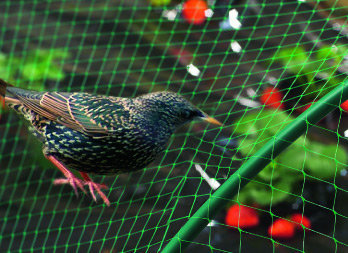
(125, 48)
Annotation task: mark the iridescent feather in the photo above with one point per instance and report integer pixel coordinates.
(101, 134)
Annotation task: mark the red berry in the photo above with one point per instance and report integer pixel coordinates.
(299, 219)
(304, 108)
(185, 57)
(282, 229)
(241, 216)
(272, 97)
(344, 106)
(194, 11)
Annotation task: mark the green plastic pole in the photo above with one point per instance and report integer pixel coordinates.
(254, 165)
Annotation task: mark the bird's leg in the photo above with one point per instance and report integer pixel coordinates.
(70, 178)
(95, 187)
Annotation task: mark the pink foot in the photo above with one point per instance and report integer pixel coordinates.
(78, 183)
(69, 176)
(73, 181)
(95, 187)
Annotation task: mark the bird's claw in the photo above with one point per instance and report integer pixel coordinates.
(97, 187)
(73, 181)
(78, 183)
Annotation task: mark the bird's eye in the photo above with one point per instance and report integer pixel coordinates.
(185, 114)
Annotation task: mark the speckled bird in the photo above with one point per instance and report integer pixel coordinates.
(100, 134)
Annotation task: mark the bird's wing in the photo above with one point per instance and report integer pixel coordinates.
(92, 115)
(72, 111)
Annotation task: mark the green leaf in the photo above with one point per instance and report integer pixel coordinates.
(296, 60)
(329, 58)
(160, 2)
(291, 162)
(332, 53)
(58, 54)
(268, 122)
(39, 65)
(316, 70)
(265, 194)
(293, 157)
(54, 73)
(248, 146)
(32, 71)
(247, 124)
(257, 128)
(324, 161)
(4, 73)
(273, 121)
(3, 59)
(269, 172)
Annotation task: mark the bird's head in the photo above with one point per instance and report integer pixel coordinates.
(172, 108)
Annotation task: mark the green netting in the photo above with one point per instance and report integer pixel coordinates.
(254, 65)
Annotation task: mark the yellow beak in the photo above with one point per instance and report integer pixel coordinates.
(212, 120)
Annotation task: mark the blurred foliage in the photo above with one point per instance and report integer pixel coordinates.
(159, 2)
(303, 159)
(316, 71)
(31, 70)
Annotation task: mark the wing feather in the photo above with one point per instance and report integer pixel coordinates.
(71, 113)
(74, 110)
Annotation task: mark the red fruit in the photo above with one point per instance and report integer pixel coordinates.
(344, 106)
(194, 11)
(304, 108)
(185, 57)
(241, 216)
(272, 97)
(299, 219)
(282, 229)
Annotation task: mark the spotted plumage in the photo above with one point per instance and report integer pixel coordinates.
(101, 134)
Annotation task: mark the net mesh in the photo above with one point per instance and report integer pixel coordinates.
(254, 65)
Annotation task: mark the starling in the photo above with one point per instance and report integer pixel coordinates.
(100, 134)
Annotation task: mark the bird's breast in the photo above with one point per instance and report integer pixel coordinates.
(124, 151)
